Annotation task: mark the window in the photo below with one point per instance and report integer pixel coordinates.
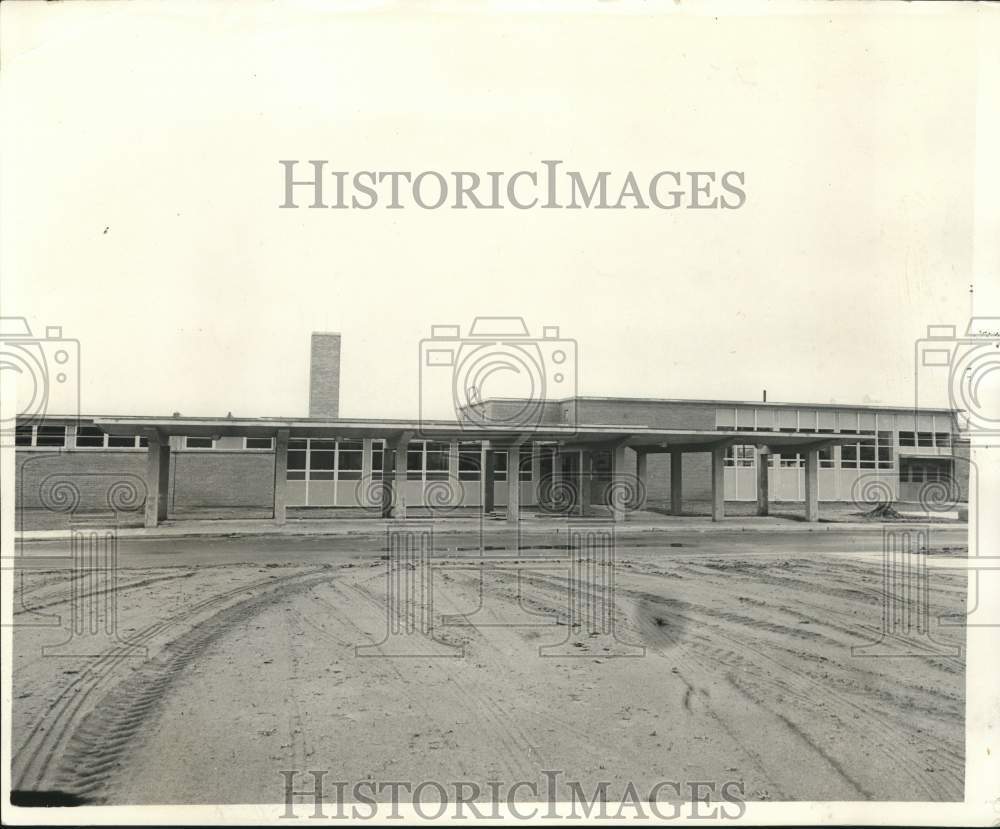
(258, 443)
(23, 435)
(144, 441)
(884, 450)
(942, 439)
(199, 443)
(907, 438)
(322, 459)
(500, 466)
(925, 438)
(50, 436)
(826, 458)
(350, 456)
(415, 461)
(849, 452)
(124, 442)
(867, 454)
(437, 461)
(468, 461)
(378, 447)
(525, 464)
(742, 456)
(89, 436)
(792, 461)
(297, 459)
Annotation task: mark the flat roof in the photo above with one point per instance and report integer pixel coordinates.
(725, 403)
(635, 436)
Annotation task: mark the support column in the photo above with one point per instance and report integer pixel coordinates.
(399, 478)
(641, 458)
(620, 490)
(157, 477)
(280, 476)
(586, 487)
(676, 482)
(365, 492)
(536, 473)
(513, 484)
(812, 485)
(388, 478)
(718, 483)
(763, 494)
(489, 479)
(457, 497)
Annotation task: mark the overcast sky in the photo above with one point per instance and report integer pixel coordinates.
(141, 187)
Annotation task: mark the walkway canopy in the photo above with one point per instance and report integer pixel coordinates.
(398, 433)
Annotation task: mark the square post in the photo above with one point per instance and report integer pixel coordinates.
(398, 509)
(536, 473)
(586, 473)
(513, 484)
(456, 496)
(367, 461)
(718, 483)
(763, 494)
(157, 477)
(489, 479)
(388, 477)
(676, 482)
(620, 487)
(280, 476)
(812, 485)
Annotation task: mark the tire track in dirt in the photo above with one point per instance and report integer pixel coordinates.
(794, 682)
(51, 734)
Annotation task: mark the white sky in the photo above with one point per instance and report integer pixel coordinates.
(141, 183)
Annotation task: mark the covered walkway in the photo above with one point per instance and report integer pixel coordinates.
(386, 490)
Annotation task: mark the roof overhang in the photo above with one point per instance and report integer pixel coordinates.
(639, 437)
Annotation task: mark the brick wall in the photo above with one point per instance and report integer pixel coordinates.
(216, 478)
(213, 478)
(324, 375)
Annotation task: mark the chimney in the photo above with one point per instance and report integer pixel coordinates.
(324, 375)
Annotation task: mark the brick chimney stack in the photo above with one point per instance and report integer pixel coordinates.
(324, 375)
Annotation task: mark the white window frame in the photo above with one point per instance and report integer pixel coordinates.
(198, 448)
(258, 448)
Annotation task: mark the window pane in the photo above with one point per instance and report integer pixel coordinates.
(51, 436)
(321, 460)
(942, 439)
(350, 461)
(526, 466)
(89, 436)
(468, 462)
(22, 436)
(849, 456)
(925, 439)
(296, 475)
(259, 443)
(296, 459)
(297, 443)
(198, 443)
(907, 438)
(120, 441)
(500, 466)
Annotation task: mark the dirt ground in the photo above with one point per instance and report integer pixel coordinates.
(730, 660)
